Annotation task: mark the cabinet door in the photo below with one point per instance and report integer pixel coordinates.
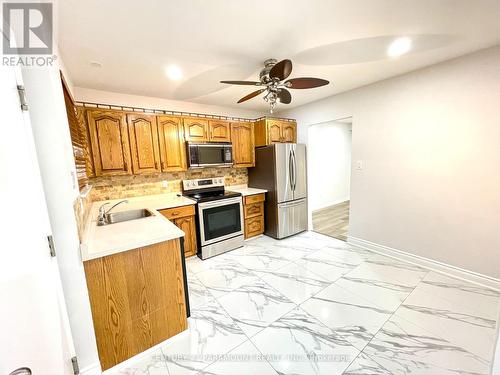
(289, 132)
(242, 138)
(218, 131)
(172, 144)
(143, 134)
(254, 226)
(110, 144)
(274, 131)
(187, 225)
(196, 130)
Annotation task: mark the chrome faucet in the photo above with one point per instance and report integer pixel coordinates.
(101, 219)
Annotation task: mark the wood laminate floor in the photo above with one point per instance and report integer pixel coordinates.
(332, 221)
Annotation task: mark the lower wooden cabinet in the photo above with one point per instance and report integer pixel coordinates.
(253, 208)
(137, 300)
(184, 218)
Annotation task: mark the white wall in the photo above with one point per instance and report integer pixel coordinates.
(430, 142)
(329, 179)
(108, 97)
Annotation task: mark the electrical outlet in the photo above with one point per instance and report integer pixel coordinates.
(164, 183)
(359, 165)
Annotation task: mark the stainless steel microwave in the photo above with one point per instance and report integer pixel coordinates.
(201, 155)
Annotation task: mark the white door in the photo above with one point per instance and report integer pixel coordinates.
(33, 322)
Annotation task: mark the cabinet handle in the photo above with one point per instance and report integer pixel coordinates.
(163, 165)
(156, 165)
(125, 166)
(175, 213)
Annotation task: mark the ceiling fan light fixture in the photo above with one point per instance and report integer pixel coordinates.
(399, 47)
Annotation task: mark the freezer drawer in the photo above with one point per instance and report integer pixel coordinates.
(292, 218)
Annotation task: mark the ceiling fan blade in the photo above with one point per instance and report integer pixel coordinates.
(281, 70)
(305, 83)
(246, 83)
(251, 95)
(284, 96)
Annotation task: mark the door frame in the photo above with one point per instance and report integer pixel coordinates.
(309, 180)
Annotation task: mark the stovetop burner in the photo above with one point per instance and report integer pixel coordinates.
(211, 195)
(206, 190)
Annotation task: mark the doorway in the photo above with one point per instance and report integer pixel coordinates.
(329, 148)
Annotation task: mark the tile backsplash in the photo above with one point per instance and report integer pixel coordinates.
(117, 187)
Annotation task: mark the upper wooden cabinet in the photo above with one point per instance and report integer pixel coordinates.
(145, 152)
(110, 142)
(289, 132)
(219, 131)
(172, 144)
(269, 131)
(196, 129)
(242, 138)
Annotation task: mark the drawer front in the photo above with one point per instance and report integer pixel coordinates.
(254, 226)
(177, 212)
(254, 209)
(249, 199)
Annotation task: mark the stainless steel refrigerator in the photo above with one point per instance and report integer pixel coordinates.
(281, 170)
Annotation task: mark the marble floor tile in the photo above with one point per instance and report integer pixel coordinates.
(386, 270)
(195, 265)
(225, 277)
(259, 258)
(483, 301)
(454, 322)
(255, 306)
(353, 318)
(243, 360)
(211, 333)
(401, 348)
(199, 295)
(298, 343)
(310, 303)
(325, 264)
(152, 364)
(388, 295)
(295, 282)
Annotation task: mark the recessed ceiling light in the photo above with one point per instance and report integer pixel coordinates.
(399, 47)
(95, 64)
(174, 72)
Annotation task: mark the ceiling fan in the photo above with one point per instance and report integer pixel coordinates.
(271, 79)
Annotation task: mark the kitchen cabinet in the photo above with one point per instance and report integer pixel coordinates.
(110, 142)
(219, 131)
(269, 131)
(137, 299)
(172, 144)
(196, 129)
(242, 138)
(253, 209)
(184, 218)
(144, 147)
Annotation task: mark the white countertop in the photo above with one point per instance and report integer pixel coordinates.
(110, 239)
(245, 190)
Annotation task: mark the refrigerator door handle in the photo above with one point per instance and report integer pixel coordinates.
(291, 170)
(294, 170)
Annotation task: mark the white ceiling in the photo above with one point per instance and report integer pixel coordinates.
(343, 41)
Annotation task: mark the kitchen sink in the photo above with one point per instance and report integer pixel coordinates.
(118, 217)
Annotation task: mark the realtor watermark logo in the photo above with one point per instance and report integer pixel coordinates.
(28, 34)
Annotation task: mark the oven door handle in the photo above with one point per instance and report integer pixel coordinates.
(220, 203)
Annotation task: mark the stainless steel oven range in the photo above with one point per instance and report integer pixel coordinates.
(219, 216)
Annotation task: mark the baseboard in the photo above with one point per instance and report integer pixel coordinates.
(94, 369)
(434, 265)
